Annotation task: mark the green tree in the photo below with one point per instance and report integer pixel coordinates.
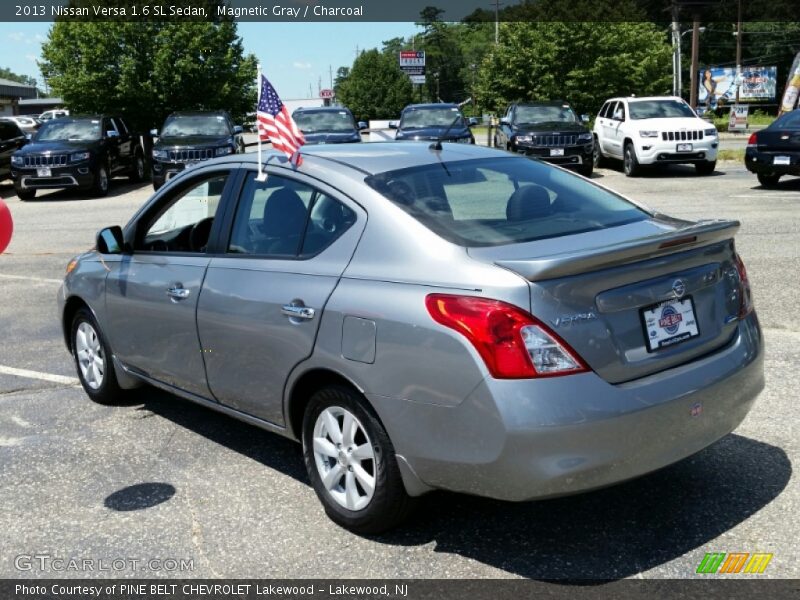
(581, 62)
(375, 87)
(146, 70)
(11, 76)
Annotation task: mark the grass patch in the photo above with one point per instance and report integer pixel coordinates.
(735, 155)
(756, 117)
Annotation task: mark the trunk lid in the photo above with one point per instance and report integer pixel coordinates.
(775, 140)
(595, 290)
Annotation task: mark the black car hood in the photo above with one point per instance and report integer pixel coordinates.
(58, 146)
(431, 133)
(193, 141)
(332, 138)
(550, 127)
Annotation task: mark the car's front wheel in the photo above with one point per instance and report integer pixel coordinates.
(768, 181)
(630, 163)
(25, 194)
(100, 186)
(351, 462)
(93, 360)
(705, 168)
(137, 169)
(598, 160)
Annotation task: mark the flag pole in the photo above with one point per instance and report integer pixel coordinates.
(260, 176)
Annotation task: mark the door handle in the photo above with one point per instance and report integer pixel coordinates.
(178, 292)
(298, 312)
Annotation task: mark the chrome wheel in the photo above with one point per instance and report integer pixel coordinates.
(89, 352)
(102, 179)
(344, 458)
(139, 167)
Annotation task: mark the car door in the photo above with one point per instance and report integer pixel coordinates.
(111, 142)
(152, 293)
(609, 125)
(124, 144)
(262, 301)
(11, 140)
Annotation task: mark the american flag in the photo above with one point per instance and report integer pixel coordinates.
(276, 124)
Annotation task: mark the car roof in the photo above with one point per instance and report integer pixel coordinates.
(376, 157)
(441, 105)
(638, 98)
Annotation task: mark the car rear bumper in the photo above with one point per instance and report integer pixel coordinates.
(520, 440)
(764, 162)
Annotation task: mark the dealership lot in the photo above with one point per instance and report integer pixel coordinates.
(166, 480)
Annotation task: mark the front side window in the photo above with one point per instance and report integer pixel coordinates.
(184, 223)
(285, 218)
(497, 201)
(660, 109)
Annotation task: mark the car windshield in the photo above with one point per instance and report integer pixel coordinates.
(498, 201)
(324, 121)
(69, 130)
(788, 121)
(431, 117)
(186, 125)
(659, 109)
(544, 114)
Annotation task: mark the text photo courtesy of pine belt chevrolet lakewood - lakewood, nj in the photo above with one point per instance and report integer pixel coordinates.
(505, 286)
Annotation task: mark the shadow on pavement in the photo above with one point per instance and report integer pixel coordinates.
(139, 496)
(607, 534)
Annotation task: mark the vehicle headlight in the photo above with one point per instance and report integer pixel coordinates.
(710, 132)
(17, 161)
(160, 154)
(585, 137)
(224, 150)
(79, 156)
(647, 133)
(524, 139)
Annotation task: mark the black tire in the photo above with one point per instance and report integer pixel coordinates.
(586, 170)
(768, 181)
(108, 390)
(705, 168)
(598, 159)
(101, 181)
(390, 504)
(25, 194)
(138, 168)
(630, 163)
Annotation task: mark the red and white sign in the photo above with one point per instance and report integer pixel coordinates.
(326, 94)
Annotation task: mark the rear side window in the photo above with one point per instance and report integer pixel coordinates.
(789, 120)
(497, 201)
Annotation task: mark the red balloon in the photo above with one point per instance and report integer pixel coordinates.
(6, 226)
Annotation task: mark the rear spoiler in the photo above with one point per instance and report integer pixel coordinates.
(702, 233)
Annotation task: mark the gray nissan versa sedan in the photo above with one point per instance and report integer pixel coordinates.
(419, 317)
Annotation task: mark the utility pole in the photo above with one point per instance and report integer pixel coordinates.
(738, 50)
(695, 61)
(497, 4)
(676, 52)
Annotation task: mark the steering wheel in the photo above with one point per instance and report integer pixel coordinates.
(199, 234)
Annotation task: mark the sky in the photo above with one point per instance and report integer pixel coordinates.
(293, 55)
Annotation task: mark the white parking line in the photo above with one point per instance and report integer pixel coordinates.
(38, 375)
(28, 278)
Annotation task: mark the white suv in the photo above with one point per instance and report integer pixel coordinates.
(654, 130)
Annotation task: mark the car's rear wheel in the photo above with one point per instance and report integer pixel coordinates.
(630, 163)
(25, 194)
(100, 186)
(598, 160)
(93, 360)
(705, 168)
(351, 462)
(137, 170)
(768, 181)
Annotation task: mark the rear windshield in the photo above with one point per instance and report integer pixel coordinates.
(324, 121)
(788, 121)
(504, 200)
(432, 117)
(186, 125)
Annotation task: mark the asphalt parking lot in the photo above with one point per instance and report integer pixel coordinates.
(164, 479)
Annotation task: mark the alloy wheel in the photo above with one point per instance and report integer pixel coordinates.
(89, 352)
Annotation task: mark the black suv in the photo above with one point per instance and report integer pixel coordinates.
(190, 137)
(82, 152)
(328, 125)
(432, 121)
(550, 131)
(12, 138)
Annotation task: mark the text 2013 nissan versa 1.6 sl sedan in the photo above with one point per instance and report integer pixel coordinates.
(425, 316)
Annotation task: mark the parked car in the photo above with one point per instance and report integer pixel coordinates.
(12, 138)
(82, 152)
(462, 318)
(188, 138)
(28, 125)
(775, 151)
(432, 121)
(56, 113)
(656, 130)
(550, 131)
(328, 125)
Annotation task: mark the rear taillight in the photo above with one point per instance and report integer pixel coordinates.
(753, 140)
(745, 295)
(512, 343)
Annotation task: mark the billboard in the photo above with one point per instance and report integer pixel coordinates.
(718, 85)
(790, 94)
(412, 63)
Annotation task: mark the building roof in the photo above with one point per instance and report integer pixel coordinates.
(40, 102)
(15, 89)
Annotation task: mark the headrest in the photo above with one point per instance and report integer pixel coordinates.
(528, 202)
(284, 214)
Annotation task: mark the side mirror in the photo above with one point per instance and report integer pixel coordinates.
(112, 133)
(393, 125)
(362, 125)
(584, 118)
(110, 240)
(237, 129)
(505, 121)
(154, 132)
(473, 121)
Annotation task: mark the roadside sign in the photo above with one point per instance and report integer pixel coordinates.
(738, 117)
(412, 58)
(326, 94)
(417, 79)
